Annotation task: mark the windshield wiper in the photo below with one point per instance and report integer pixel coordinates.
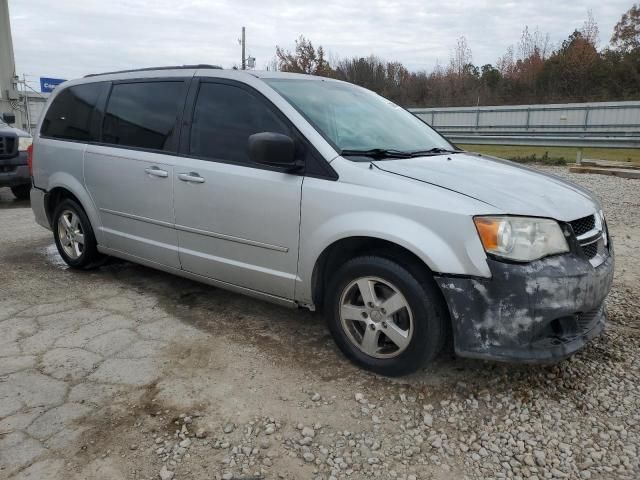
(380, 153)
(377, 153)
(433, 151)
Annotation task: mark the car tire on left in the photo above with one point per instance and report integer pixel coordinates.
(74, 236)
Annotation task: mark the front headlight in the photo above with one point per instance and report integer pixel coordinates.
(522, 239)
(24, 143)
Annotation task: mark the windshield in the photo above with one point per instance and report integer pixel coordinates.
(353, 118)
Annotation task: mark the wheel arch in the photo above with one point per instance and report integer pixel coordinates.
(347, 248)
(66, 186)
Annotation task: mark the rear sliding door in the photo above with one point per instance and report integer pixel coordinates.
(130, 172)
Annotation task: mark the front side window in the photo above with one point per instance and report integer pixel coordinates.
(224, 118)
(353, 118)
(143, 114)
(71, 113)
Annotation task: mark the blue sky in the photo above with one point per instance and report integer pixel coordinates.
(70, 38)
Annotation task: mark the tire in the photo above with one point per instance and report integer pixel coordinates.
(418, 328)
(21, 192)
(85, 255)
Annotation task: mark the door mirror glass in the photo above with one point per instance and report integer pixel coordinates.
(273, 149)
(9, 118)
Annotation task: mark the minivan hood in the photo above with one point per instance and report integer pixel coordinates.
(508, 186)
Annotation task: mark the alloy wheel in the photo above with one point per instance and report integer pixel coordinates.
(70, 234)
(376, 317)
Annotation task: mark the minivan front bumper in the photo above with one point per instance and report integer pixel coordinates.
(542, 311)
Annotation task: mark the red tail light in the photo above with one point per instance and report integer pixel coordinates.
(30, 159)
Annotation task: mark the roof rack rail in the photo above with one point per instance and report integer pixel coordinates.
(148, 69)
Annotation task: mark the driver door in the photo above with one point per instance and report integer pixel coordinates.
(237, 221)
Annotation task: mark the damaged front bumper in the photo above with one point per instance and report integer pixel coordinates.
(542, 311)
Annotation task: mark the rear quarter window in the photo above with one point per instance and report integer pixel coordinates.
(71, 113)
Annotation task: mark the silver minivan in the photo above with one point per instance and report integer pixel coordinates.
(315, 193)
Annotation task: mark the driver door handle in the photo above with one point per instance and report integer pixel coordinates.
(191, 177)
(156, 172)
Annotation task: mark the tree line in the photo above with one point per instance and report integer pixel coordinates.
(534, 71)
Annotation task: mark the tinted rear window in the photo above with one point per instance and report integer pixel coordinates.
(143, 114)
(71, 113)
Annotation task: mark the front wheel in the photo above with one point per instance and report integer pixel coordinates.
(383, 318)
(74, 236)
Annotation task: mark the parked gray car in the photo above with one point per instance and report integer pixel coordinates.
(316, 193)
(14, 172)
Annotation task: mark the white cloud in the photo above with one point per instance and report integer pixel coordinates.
(70, 38)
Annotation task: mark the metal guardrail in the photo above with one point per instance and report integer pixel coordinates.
(603, 125)
(575, 117)
(547, 141)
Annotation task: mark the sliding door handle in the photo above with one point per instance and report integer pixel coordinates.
(156, 172)
(191, 177)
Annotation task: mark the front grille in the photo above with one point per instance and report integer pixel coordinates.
(7, 146)
(583, 225)
(593, 241)
(590, 250)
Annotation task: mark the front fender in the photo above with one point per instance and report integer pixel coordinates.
(437, 252)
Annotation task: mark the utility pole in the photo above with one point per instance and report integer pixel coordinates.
(244, 64)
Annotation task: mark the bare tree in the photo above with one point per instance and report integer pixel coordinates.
(506, 63)
(272, 65)
(590, 30)
(534, 44)
(461, 56)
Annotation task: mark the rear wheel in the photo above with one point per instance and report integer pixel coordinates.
(21, 192)
(383, 318)
(74, 236)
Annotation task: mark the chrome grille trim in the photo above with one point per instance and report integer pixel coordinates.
(588, 235)
(591, 234)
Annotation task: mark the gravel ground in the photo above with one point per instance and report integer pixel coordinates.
(126, 372)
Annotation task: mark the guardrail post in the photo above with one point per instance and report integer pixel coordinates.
(586, 118)
(579, 156)
(528, 118)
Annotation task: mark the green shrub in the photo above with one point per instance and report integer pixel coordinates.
(545, 159)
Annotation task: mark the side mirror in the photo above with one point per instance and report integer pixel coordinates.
(273, 149)
(9, 118)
